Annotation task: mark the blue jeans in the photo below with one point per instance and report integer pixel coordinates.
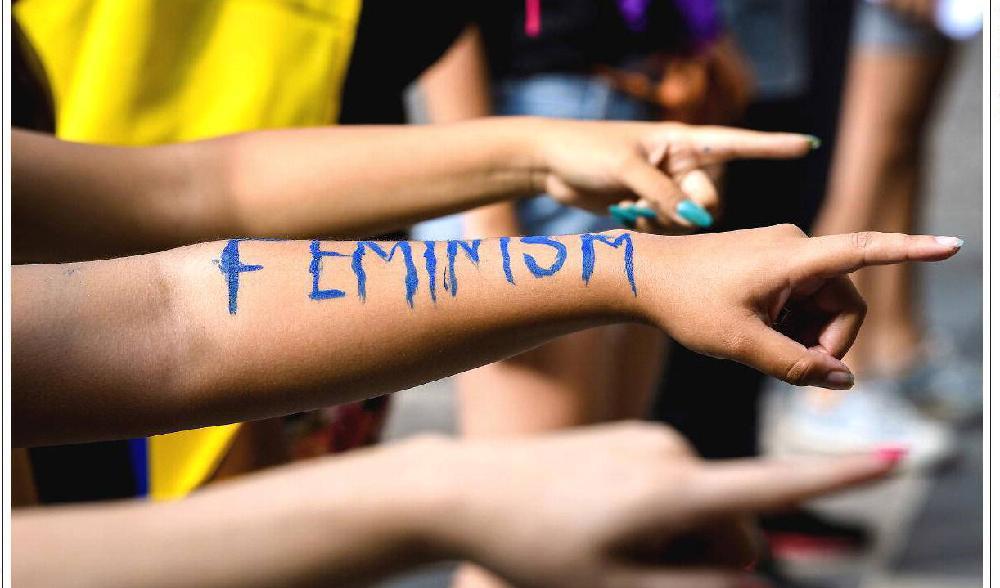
(573, 96)
(564, 96)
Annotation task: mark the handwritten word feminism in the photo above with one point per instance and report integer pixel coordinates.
(456, 252)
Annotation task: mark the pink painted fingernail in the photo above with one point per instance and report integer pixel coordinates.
(950, 242)
(891, 454)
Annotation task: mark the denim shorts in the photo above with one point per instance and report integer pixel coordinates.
(878, 27)
(579, 97)
(571, 96)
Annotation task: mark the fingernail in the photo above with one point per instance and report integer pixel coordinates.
(891, 454)
(692, 212)
(839, 380)
(814, 141)
(622, 214)
(644, 211)
(950, 242)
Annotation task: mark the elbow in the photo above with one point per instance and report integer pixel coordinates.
(177, 372)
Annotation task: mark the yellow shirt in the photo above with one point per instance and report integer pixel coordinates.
(143, 72)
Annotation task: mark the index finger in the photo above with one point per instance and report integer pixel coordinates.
(843, 254)
(742, 486)
(721, 144)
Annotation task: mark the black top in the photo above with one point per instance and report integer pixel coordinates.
(572, 35)
(396, 41)
(30, 95)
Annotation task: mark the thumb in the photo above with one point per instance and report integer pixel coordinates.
(774, 354)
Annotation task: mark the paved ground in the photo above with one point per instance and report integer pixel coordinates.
(929, 528)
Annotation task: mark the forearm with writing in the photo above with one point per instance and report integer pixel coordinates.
(247, 329)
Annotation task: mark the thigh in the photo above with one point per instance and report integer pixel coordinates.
(561, 384)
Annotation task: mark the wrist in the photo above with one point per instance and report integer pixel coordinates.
(428, 522)
(621, 275)
(523, 149)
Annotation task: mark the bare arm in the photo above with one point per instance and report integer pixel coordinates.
(350, 520)
(458, 88)
(240, 330)
(73, 201)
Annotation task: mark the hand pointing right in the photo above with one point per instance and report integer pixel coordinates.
(771, 298)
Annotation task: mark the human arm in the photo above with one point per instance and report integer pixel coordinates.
(458, 88)
(241, 330)
(72, 201)
(611, 506)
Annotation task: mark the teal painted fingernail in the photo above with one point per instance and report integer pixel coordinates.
(643, 211)
(692, 212)
(814, 141)
(625, 216)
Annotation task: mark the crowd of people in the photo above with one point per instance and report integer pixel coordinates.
(225, 263)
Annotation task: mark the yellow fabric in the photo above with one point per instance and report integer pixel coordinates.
(142, 72)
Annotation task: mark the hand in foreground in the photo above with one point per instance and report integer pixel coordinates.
(618, 506)
(771, 298)
(622, 505)
(664, 166)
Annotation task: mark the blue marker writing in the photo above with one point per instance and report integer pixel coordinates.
(505, 256)
(231, 267)
(471, 249)
(316, 268)
(587, 246)
(532, 264)
(430, 262)
(411, 270)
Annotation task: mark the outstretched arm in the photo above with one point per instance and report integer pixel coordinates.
(246, 329)
(73, 201)
(350, 520)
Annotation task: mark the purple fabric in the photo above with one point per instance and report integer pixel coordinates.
(634, 13)
(702, 20)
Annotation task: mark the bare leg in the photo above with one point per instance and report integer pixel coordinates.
(875, 184)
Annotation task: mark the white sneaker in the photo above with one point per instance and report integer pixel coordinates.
(944, 384)
(872, 415)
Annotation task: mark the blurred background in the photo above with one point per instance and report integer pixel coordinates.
(896, 111)
(927, 526)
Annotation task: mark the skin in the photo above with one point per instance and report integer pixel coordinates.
(558, 384)
(92, 337)
(875, 185)
(74, 201)
(125, 347)
(561, 387)
(498, 503)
